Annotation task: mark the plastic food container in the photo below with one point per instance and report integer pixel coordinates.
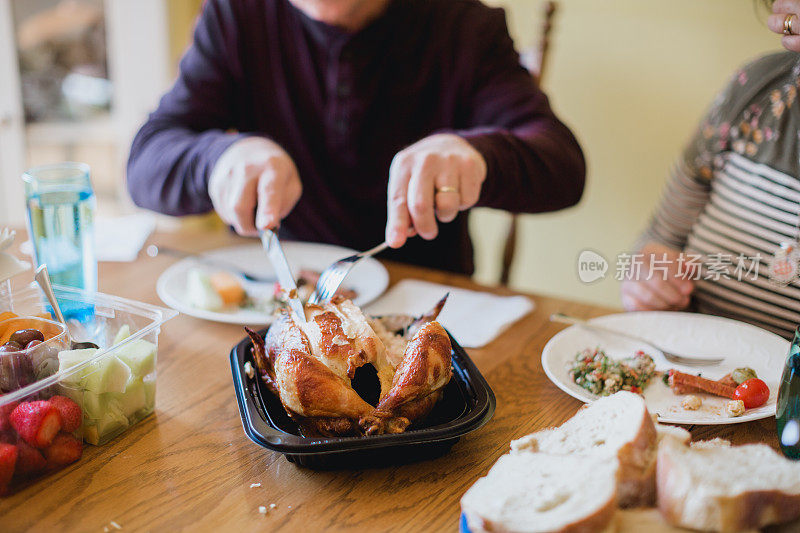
(466, 404)
(113, 387)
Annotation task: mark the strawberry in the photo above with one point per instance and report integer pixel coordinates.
(8, 437)
(64, 450)
(29, 460)
(71, 415)
(5, 410)
(8, 459)
(36, 422)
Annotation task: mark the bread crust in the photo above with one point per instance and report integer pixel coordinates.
(636, 477)
(637, 488)
(670, 504)
(748, 510)
(601, 521)
(757, 509)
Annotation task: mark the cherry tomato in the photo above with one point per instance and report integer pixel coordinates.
(753, 392)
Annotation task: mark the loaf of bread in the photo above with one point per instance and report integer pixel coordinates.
(713, 486)
(570, 478)
(615, 427)
(611, 454)
(538, 492)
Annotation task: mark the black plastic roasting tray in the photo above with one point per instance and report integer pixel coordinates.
(467, 404)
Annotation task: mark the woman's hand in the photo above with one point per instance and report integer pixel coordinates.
(780, 9)
(434, 178)
(669, 290)
(254, 185)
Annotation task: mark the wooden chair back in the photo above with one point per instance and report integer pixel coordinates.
(537, 70)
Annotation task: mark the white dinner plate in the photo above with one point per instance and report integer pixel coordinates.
(369, 278)
(687, 334)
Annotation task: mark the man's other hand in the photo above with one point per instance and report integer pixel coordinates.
(432, 179)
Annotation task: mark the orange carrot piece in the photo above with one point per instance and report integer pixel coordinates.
(228, 288)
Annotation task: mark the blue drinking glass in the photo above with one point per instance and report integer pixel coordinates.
(787, 413)
(61, 206)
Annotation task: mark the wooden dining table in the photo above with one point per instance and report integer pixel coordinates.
(190, 466)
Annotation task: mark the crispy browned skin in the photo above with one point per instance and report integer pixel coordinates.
(320, 400)
(310, 367)
(417, 382)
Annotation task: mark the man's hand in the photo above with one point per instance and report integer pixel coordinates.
(254, 172)
(775, 22)
(434, 178)
(660, 292)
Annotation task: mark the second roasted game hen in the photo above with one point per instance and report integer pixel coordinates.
(318, 368)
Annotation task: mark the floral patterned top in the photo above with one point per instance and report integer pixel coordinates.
(754, 116)
(734, 196)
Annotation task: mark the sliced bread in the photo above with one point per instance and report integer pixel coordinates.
(539, 492)
(718, 487)
(615, 427)
(664, 431)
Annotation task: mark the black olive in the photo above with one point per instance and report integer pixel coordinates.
(25, 336)
(33, 344)
(10, 346)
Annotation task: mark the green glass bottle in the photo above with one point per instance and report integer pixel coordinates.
(788, 409)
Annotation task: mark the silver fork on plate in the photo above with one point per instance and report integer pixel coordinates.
(332, 277)
(669, 356)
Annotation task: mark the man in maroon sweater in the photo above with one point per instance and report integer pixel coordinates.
(355, 121)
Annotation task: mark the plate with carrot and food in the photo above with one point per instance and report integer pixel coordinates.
(588, 363)
(214, 286)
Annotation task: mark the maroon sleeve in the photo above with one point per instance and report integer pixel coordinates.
(534, 162)
(176, 149)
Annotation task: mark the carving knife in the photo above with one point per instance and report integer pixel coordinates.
(282, 271)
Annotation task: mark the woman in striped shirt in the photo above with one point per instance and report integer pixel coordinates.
(732, 202)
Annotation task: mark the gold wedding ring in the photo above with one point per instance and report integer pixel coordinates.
(447, 188)
(787, 24)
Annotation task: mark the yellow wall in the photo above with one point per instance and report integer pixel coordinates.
(182, 14)
(631, 78)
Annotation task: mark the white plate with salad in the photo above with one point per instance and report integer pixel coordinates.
(213, 293)
(587, 364)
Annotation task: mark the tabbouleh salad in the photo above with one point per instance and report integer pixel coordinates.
(601, 375)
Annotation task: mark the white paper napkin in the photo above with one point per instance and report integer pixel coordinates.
(473, 318)
(119, 239)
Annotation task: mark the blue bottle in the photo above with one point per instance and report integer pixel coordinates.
(61, 206)
(788, 409)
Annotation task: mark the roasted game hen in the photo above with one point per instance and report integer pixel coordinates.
(318, 368)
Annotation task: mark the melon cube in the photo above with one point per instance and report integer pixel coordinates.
(140, 356)
(149, 392)
(94, 405)
(113, 420)
(109, 374)
(69, 358)
(123, 333)
(132, 400)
